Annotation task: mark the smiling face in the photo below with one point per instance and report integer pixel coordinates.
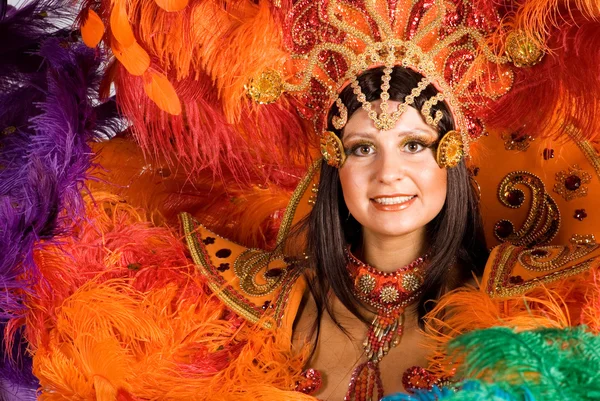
(391, 182)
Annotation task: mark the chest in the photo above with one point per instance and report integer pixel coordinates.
(337, 355)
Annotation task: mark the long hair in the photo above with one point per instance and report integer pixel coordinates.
(455, 236)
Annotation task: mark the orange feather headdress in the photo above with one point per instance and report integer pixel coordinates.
(183, 67)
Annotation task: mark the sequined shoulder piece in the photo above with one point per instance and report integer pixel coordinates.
(513, 270)
(253, 283)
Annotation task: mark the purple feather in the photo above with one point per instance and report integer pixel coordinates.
(48, 88)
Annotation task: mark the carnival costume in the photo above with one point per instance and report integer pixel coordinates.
(141, 234)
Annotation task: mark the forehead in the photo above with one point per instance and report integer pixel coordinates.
(410, 121)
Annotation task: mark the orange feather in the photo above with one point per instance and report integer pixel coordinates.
(134, 58)
(159, 89)
(172, 5)
(120, 26)
(92, 29)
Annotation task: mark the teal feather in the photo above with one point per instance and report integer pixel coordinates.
(499, 364)
(551, 364)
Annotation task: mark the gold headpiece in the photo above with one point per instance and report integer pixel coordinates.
(333, 42)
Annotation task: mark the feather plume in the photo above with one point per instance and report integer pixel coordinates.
(92, 29)
(161, 92)
(247, 214)
(46, 118)
(208, 122)
(119, 24)
(133, 320)
(133, 57)
(172, 5)
(550, 97)
(565, 303)
(503, 365)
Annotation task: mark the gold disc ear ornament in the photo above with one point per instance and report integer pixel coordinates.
(332, 149)
(266, 88)
(451, 150)
(522, 50)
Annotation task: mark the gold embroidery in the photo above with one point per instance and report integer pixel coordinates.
(570, 183)
(586, 147)
(359, 46)
(578, 239)
(517, 141)
(522, 50)
(247, 267)
(553, 257)
(502, 284)
(315, 191)
(543, 217)
(290, 211)
(216, 283)
(332, 149)
(450, 150)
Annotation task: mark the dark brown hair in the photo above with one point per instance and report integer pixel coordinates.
(455, 236)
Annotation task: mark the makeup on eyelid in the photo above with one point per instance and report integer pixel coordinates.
(424, 140)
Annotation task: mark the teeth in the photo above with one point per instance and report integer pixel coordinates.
(393, 201)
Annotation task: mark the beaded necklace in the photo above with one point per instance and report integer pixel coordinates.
(388, 294)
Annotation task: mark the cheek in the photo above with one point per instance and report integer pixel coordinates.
(354, 185)
(435, 185)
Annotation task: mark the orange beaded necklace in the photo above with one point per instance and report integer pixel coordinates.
(388, 294)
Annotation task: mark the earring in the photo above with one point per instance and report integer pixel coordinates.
(332, 149)
(450, 150)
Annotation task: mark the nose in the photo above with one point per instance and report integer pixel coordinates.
(390, 168)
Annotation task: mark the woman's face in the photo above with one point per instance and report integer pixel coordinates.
(391, 181)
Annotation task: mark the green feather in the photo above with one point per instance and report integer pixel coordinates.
(545, 364)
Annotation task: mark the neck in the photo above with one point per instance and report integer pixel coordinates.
(389, 253)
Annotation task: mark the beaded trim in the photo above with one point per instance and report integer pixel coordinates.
(217, 284)
(570, 262)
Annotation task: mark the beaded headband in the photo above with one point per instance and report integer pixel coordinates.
(333, 42)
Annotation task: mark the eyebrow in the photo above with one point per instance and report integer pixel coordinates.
(371, 134)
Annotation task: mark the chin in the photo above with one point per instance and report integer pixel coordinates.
(393, 230)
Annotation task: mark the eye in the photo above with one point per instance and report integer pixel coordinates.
(413, 147)
(364, 149)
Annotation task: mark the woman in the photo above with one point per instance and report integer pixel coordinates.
(388, 205)
(396, 91)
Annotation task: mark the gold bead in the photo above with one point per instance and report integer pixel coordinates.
(266, 88)
(522, 50)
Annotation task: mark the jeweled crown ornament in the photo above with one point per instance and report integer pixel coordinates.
(333, 42)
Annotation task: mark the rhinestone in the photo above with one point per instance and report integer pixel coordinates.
(539, 253)
(580, 214)
(515, 197)
(503, 228)
(548, 154)
(516, 280)
(518, 137)
(572, 182)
